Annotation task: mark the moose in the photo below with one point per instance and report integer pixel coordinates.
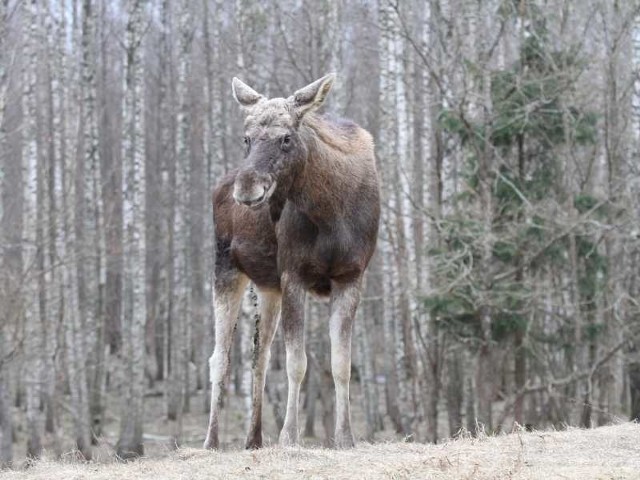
(301, 215)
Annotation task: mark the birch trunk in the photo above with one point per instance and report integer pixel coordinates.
(366, 368)
(200, 234)
(8, 211)
(72, 332)
(166, 174)
(618, 112)
(95, 212)
(33, 183)
(388, 151)
(6, 417)
(482, 111)
(131, 426)
(180, 341)
(50, 224)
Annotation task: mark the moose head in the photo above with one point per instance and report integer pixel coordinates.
(275, 152)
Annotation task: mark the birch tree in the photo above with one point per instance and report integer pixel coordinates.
(134, 312)
(180, 341)
(6, 207)
(33, 232)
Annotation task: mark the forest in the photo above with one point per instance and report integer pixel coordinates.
(504, 291)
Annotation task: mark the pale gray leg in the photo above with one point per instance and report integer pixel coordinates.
(344, 302)
(293, 325)
(227, 295)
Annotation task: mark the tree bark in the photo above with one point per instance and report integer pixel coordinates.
(6, 417)
(33, 232)
(131, 426)
(10, 228)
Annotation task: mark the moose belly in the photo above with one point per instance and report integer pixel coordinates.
(257, 261)
(319, 256)
(320, 267)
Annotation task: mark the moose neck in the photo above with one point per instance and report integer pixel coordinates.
(322, 184)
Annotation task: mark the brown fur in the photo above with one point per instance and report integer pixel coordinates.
(333, 207)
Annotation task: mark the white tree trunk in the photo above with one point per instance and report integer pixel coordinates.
(33, 332)
(134, 312)
(6, 418)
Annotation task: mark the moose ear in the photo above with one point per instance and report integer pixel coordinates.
(313, 95)
(244, 94)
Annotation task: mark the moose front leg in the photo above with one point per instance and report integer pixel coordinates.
(344, 302)
(266, 328)
(293, 325)
(227, 293)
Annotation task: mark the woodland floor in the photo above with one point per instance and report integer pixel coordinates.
(611, 452)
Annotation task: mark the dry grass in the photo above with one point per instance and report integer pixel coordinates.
(604, 453)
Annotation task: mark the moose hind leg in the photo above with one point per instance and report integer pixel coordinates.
(344, 302)
(227, 292)
(267, 324)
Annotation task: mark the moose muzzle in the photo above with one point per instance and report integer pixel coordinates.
(252, 188)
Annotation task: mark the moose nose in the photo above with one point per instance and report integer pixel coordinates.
(250, 194)
(252, 188)
(250, 202)
(249, 197)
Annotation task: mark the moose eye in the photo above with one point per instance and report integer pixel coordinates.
(286, 141)
(247, 141)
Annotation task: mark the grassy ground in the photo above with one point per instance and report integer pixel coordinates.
(611, 452)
